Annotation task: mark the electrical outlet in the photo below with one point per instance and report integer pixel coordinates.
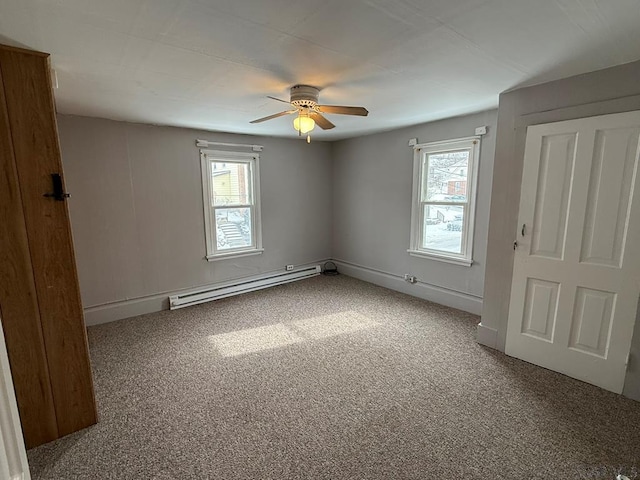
(289, 268)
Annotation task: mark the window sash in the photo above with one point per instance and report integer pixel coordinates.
(465, 227)
(208, 159)
(228, 206)
(424, 171)
(214, 228)
(419, 204)
(249, 164)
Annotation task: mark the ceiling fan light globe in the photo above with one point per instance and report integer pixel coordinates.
(303, 124)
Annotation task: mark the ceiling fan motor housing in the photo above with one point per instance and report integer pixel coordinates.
(304, 96)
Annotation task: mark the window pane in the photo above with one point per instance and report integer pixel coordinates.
(442, 228)
(233, 228)
(445, 177)
(230, 184)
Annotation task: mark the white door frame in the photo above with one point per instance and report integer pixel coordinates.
(13, 457)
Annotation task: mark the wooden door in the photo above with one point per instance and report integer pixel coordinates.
(40, 302)
(576, 276)
(18, 301)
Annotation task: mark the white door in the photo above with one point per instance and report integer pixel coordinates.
(576, 278)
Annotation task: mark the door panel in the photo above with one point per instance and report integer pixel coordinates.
(592, 318)
(552, 196)
(607, 214)
(576, 278)
(540, 309)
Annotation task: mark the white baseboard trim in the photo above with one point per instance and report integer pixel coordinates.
(111, 312)
(118, 310)
(487, 336)
(432, 293)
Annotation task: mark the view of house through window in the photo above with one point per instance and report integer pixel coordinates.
(231, 211)
(231, 201)
(443, 203)
(444, 195)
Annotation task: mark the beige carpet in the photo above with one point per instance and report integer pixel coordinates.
(332, 378)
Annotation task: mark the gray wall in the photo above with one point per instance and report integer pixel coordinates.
(372, 181)
(137, 214)
(606, 91)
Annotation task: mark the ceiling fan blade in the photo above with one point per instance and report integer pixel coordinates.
(264, 119)
(321, 121)
(341, 110)
(278, 99)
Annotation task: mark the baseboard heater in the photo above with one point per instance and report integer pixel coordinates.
(237, 287)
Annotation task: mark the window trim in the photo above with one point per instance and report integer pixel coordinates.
(419, 152)
(206, 158)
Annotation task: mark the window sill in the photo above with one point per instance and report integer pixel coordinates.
(225, 256)
(441, 258)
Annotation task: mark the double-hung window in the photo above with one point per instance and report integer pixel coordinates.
(443, 208)
(231, 193)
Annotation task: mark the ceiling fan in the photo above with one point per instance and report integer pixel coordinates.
(304, 102)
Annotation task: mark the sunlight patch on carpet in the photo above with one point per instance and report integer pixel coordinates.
(332, 325)
(254, 340)
(280, 335)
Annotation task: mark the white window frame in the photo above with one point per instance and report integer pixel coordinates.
(251, 159)
(420, 168)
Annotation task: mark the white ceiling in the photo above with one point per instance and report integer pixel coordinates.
(210, 63)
